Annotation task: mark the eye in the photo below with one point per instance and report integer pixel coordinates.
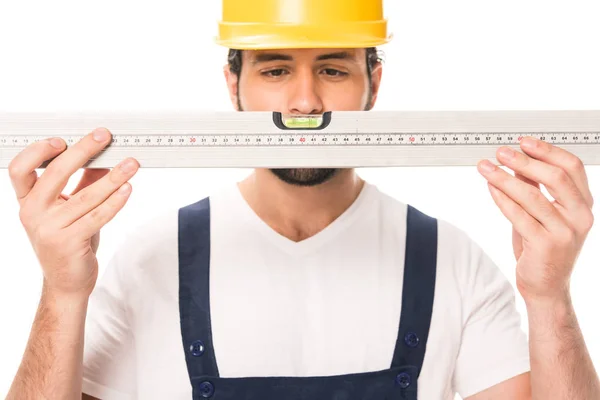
(274, 72)
(334, 72)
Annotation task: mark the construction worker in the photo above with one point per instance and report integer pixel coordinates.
(305, 283)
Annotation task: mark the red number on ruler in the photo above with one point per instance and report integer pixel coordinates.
(302, 140)
(193, 140)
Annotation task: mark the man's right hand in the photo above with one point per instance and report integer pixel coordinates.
(65, 230)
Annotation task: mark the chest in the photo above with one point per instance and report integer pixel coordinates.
(277, 319)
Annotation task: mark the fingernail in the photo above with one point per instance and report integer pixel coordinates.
(127, 166)
(124, 190)
(57, 143)
(507, 153)
(100, 135)
(487, 166)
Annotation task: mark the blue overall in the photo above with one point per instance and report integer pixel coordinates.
(399, 381)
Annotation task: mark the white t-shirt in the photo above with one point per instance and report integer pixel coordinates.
(327, 305)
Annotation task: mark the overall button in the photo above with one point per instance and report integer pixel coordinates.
(206, 389)
(403, 379)
(197, 348)
(411, 339)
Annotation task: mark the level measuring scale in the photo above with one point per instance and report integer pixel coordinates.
(338, 139)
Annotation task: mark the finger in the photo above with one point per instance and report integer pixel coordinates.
(555, 179)
(56, 176)
(90, 197)
(581, 220)
(93, 221)
(523, 223)
(531, 199)
(90, 175)
(22, 169)
(517, 239)
(570, 163)
(527, 180)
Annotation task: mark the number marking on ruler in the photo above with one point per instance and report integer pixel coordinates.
(334, 139)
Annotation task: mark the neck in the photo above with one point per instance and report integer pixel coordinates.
(299, 212)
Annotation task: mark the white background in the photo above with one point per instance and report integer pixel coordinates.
(446, 55)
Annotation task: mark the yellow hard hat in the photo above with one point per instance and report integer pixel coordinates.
(278, 24)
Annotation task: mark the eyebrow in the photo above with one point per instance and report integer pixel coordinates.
(266, 57)
(342, 55)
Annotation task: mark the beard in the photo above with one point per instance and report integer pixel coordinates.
(305, 176)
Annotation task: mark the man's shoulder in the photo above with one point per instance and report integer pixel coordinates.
(457, 249)
(156, 228)
(146, 243)
(162, 227)
(392, 209)
(159, 232)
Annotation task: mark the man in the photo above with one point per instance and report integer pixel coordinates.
(311, 283)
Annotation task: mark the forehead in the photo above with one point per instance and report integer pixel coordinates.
(255, 57)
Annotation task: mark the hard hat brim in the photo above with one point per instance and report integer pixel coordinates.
(245, 36)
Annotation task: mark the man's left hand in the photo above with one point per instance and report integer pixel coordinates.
(547, 236)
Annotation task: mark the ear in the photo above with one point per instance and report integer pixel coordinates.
(376, 82)
(232, 85)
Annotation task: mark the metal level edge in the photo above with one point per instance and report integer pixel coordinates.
(309, 157)
(259, 122)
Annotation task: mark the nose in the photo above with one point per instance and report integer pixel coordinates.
(304, 93)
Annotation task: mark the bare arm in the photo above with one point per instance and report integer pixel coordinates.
(52, 364)
(547, 237)
(561, 367)
(516, 388)
(64, 231)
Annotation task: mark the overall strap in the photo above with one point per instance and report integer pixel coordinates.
(194, 296)
(418, 289)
